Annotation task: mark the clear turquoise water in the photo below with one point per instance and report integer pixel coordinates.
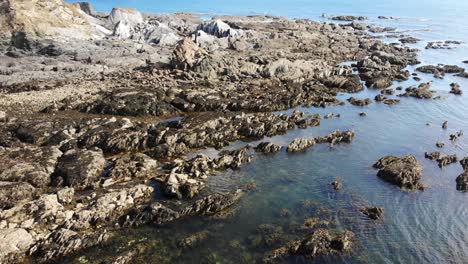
(419, 227)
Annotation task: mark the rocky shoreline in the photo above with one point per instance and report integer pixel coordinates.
(102, 120)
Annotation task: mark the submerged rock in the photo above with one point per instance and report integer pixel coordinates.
(404, 172)
(193, 239)
(373, 213)
(320, 242)
(337, 185)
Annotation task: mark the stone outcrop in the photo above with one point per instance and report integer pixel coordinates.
(405, 172)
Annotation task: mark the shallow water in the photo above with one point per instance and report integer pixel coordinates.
(418, 227)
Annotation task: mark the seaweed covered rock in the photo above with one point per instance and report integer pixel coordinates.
(320, 242)
(405, 172)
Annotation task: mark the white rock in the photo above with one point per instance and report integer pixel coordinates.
(130, 16)
(219, 29)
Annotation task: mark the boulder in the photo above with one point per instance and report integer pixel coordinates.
(464, 163)
(128, 16)
(186, 54)
(405, 172)
(359, 102)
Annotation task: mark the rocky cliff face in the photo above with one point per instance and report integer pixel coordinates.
(48, 19)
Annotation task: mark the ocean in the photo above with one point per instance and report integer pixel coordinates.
(418, 227)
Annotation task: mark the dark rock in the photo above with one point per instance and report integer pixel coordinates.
(404, 172)
(373, 213)
(462, 181)
(432, 155)
(267, 147)
(447, 160)
(464, 163)
(440, 144)
(409, 40)
(455, 89)
(359, 102)
(422, 92)
(337, 137)
(348, 18)
(380, 98)
(445, 125)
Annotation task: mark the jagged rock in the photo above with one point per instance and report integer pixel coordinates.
(320, 242)
(440, 69)
(462, 181)
(300, 144)
(359, 102)
(447, 160)
(155, 213)
(64, 242)
(432, 155)
(337, 137)
(267, 147)
(12, 193)
(213, 204)
(421, 92)
(132, 166)
(373, 213)
(309, 121)
(30, 164)
(233, 159)
(404, 172)
(81, 169)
